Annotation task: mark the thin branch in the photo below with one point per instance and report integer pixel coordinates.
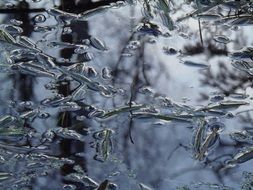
(132, 96)
(200, 33)
(15, 11)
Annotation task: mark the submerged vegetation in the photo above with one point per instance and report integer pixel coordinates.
(106, 95)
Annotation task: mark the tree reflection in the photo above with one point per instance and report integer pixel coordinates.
(24, 82)
(79, 31)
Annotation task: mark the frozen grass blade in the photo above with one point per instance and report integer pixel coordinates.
(122, 110)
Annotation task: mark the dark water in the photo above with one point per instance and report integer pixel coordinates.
(126, 95)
